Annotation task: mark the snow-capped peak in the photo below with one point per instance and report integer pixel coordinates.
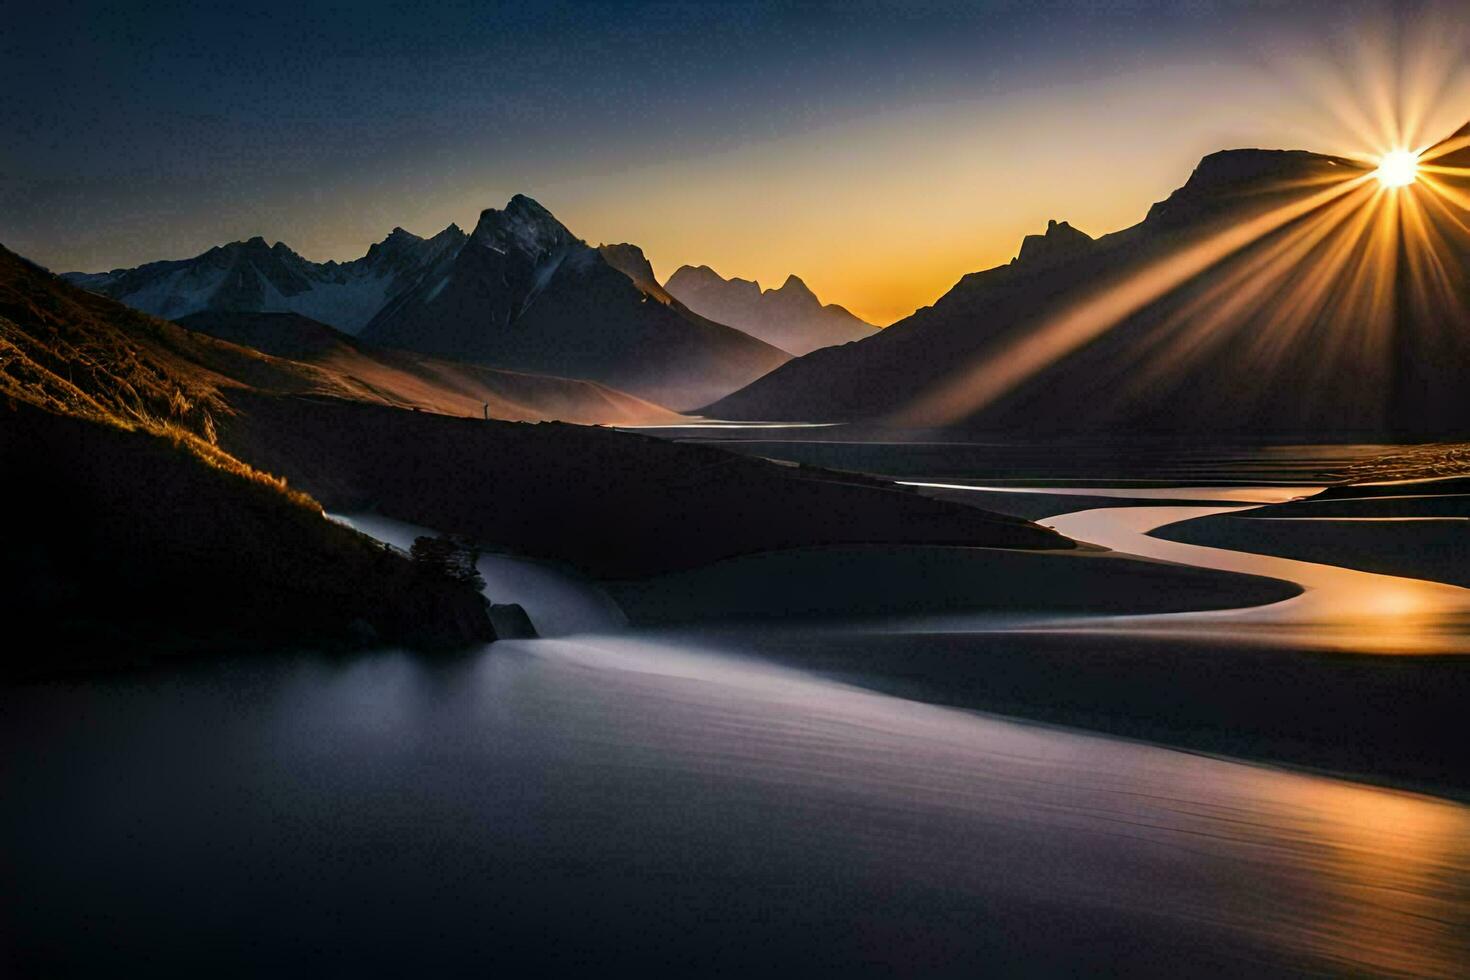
(524, 226)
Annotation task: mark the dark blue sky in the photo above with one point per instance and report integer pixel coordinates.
(145, 130)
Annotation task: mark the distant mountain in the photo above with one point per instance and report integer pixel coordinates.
(253, 277)
(355, 369)
(1264, 297)
(791, 318)
(525, 293)
(631, 262)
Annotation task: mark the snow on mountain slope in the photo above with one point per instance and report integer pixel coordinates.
(253, 277)
(526, 294)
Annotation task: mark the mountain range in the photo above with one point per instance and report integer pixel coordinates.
(520, 293)
(254, 277)
(791, 317)
(1276, 293)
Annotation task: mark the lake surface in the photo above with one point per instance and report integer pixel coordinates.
(602, 801)
(606, 799)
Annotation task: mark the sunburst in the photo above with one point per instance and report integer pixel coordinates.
(1322, 274)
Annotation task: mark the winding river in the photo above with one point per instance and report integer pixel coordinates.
(1340, 608)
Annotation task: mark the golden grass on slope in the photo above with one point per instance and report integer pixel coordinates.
(126, 405)
(67, 352)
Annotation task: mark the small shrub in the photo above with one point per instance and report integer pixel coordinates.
(449, 558)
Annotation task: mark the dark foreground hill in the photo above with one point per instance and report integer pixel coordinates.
(1275, 293)
(612, 504)
(130, 544)
(133, 533)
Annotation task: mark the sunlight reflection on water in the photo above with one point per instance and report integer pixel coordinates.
(1342, 608)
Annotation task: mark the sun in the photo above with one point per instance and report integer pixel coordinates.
(1398, 168)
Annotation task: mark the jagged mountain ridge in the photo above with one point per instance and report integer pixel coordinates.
(253, 277)
(1147, 371)
(529, 297)
(790, 317)
(524, 293)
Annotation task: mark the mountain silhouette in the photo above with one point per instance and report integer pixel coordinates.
(791, 318)
(631, 262)
(1275, 293)
(525, 293)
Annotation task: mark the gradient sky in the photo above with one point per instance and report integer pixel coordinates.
(879, 150)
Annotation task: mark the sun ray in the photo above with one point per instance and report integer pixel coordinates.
(981, 384)
(1444, 148)
(1241, 284)
(1442, 199)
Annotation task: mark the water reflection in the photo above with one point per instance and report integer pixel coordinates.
(1234, 494)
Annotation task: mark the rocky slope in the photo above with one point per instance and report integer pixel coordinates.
(524, 293)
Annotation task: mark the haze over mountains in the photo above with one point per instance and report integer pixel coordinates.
(791, 317)
(1346, 316)
(350, 367)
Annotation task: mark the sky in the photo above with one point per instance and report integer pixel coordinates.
(879, 150)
